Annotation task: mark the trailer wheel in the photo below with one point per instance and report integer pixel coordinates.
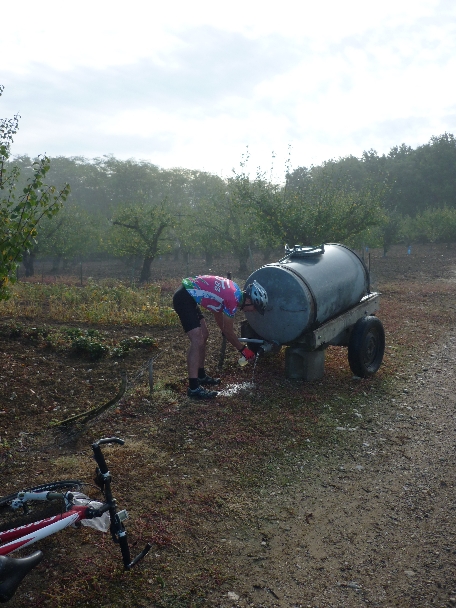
(366, 346)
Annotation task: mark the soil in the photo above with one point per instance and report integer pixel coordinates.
(344, 501)
(374, 525)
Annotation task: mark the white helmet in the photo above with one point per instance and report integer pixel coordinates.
(258, 295)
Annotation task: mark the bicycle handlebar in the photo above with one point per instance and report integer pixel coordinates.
(118, 532)
(55, 496)
(12, 570)
(98, 454)
(109, 440)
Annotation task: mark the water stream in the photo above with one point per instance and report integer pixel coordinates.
(254, 366)
(234, 389)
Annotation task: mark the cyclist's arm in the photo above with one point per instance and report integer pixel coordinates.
(226, 324)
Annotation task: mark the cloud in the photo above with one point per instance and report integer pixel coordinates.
(209, 66)
(331, 80)
(202, 87)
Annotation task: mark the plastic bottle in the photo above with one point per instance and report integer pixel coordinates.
(102, 524)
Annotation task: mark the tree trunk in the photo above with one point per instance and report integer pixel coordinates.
(208, 256)
(243, 270)
(56, 265)
(145, 270)
(28, 260)
(267, 255)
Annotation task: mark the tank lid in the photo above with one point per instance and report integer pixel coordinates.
(298, 251)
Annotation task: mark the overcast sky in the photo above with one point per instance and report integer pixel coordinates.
(192, 83)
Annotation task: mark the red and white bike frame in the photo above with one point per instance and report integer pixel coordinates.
(23, 536)
(72, 514)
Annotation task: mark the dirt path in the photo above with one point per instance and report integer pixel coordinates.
(371, 524)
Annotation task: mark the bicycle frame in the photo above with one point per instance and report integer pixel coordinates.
(13, 570)
(17, 538)
(23, 536)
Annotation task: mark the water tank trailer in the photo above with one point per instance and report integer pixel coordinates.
(317, 297)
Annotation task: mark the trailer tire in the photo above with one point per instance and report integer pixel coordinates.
(366, 346)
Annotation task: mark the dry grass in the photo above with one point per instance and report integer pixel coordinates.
(96, 303)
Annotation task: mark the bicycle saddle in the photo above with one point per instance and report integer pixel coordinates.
(13, 570)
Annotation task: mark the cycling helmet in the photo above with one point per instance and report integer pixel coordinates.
(258, 295)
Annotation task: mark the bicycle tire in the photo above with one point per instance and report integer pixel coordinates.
(36, 510)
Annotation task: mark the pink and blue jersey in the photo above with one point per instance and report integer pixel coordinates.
(214, 293)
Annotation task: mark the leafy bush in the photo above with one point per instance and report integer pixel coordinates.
(134, 342)
(90, 342)
(90, 345)
(434, 226)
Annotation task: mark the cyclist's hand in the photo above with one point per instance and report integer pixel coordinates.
(248, 354)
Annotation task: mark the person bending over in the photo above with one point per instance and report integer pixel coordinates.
(222, 297)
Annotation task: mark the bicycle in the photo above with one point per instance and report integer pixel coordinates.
(39, 518)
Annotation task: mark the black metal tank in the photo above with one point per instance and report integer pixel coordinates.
(307, 287)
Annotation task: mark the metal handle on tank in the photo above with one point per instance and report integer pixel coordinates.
(302, 252)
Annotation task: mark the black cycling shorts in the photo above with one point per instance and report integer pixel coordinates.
(188, 310)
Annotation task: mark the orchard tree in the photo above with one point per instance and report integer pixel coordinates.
(245, 226)
(223, 219)
(141, 230)
(20, 214)
(204, 217)
(73, 233)
(263, 208)
(435, 226)
(198, 232)
(315, 206)
(127, 180)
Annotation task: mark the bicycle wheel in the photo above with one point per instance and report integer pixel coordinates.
(35, 510)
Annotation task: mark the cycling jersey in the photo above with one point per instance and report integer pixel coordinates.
(214, 293)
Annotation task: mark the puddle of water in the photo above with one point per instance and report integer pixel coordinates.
(234, 389)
